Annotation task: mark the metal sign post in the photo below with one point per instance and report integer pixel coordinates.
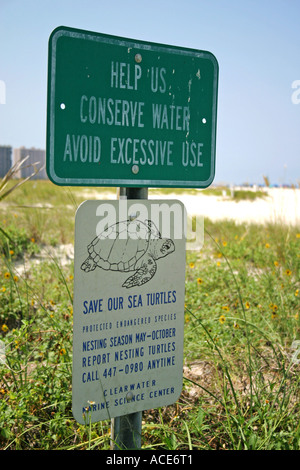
(126, 431)
(132, 115)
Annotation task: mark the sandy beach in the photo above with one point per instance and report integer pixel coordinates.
(281, 205)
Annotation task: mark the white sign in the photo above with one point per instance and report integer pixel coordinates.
(128, 307)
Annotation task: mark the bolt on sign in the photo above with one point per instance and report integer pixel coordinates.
(123, 112)
(129, 281)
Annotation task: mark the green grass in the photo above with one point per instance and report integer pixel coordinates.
(241, 373)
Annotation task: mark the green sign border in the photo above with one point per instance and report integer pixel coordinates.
(142, 45)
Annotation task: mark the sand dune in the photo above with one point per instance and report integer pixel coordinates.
(281, 205)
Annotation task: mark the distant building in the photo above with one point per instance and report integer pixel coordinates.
(37, 159)
(5, 159)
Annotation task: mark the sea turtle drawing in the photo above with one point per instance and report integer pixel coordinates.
(129, 246)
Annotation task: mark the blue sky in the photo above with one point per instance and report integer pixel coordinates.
(256, 42)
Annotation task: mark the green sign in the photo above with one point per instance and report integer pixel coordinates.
(129, 113)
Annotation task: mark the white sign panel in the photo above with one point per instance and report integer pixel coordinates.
(128, 307)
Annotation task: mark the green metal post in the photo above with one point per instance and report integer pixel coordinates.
(126, 431)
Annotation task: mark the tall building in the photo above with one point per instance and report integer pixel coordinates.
(37, 159)
(5, 159)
